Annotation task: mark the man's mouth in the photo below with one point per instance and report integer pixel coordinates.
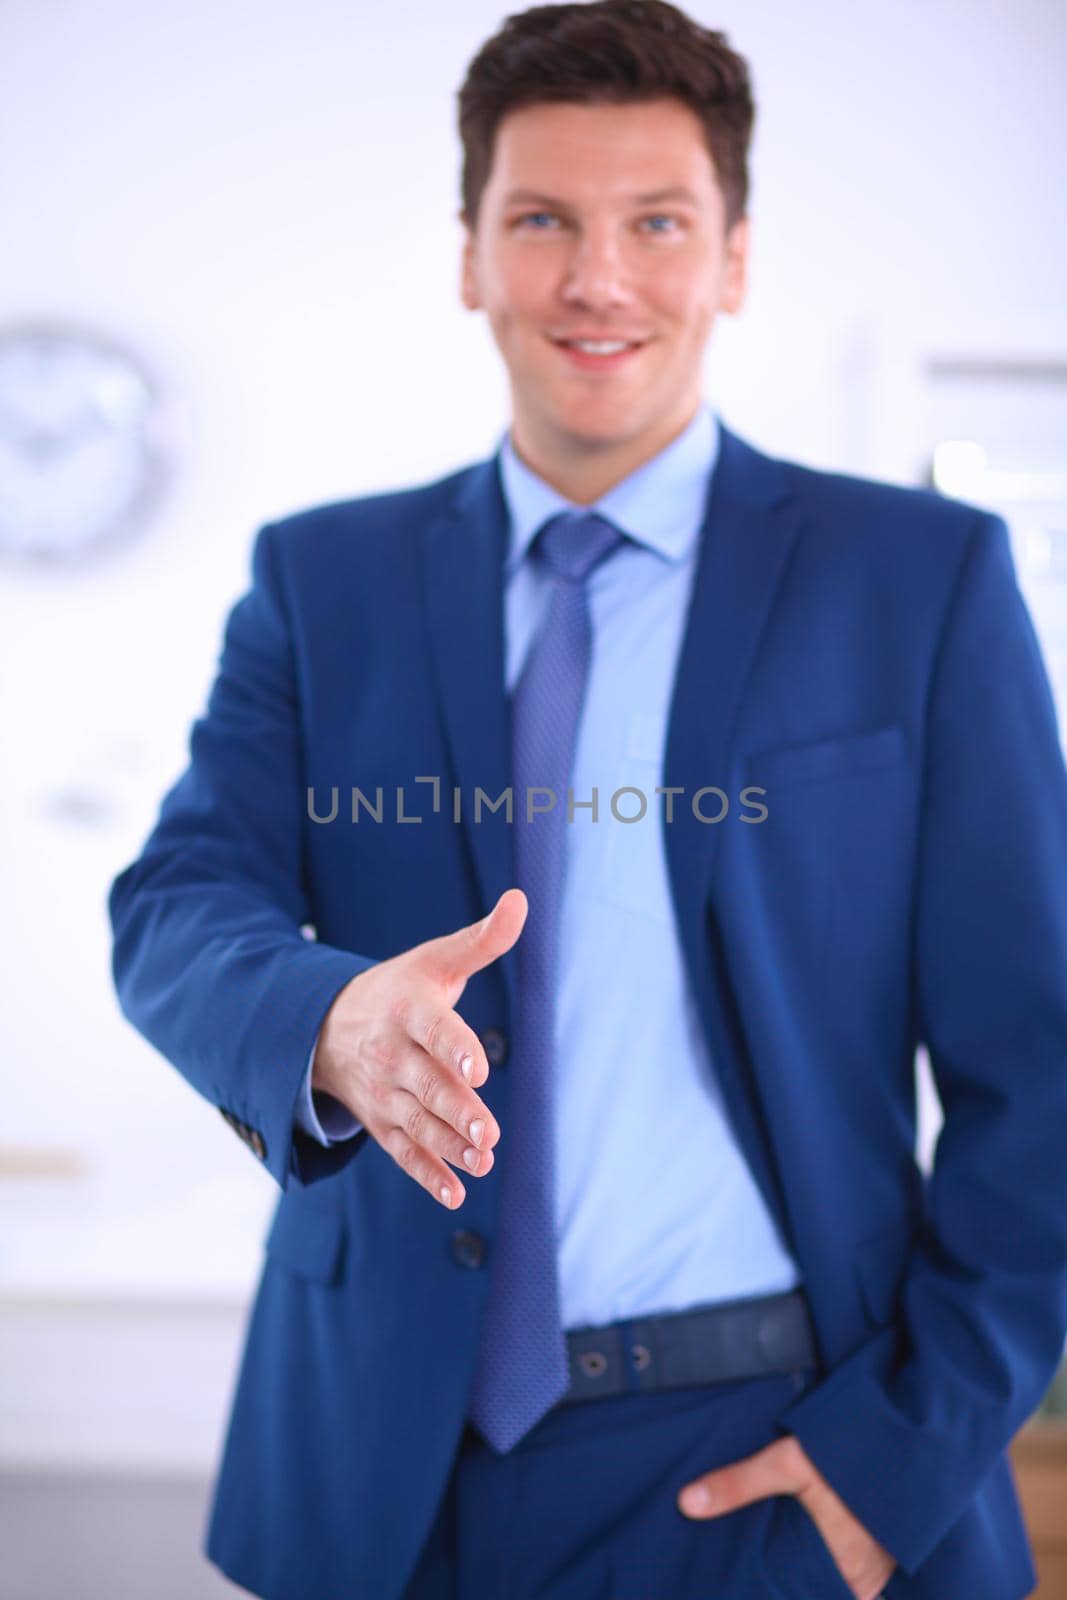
(599, 354)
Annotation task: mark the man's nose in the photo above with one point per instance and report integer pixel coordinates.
(596, 269)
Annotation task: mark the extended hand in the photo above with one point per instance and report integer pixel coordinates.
(395, 1052)
(784, 1467)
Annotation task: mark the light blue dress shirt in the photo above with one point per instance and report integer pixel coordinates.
(656, 1208)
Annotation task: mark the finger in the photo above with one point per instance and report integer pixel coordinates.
(442, 1098)
(755, 1477)
(440, 1138)
(424, 1167)
(444, 1036)
(454, 956)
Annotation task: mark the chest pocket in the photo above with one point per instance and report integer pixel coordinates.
(821, 760)
(633, 873)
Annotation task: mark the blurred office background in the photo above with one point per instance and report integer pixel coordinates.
(229, 288)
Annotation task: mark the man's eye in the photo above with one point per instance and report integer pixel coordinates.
(660, 216)
(528, 215)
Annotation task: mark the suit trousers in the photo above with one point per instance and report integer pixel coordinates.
(584, 1507)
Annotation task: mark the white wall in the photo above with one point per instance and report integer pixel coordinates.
(261, 197)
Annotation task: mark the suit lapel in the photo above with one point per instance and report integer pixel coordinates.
(463, 555)
(749, 529)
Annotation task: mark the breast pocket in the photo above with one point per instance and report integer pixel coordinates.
(821, 760)
(633, 873)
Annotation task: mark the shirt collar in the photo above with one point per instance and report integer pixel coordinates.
(660, 504)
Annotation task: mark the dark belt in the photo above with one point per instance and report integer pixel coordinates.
(704, 1344)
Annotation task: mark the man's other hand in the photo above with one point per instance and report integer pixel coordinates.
(395, 1053)
(784, 1467)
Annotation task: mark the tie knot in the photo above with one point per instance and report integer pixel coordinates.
(571, 544)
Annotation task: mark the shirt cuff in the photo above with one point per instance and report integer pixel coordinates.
(320, 1115)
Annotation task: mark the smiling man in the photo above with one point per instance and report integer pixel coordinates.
(704, 1328)
(601, 282)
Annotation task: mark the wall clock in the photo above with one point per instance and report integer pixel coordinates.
(79, 457)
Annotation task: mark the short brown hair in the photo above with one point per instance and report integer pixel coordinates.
(608, 52)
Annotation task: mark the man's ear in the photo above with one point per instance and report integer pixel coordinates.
(469, 293)
(735, 268)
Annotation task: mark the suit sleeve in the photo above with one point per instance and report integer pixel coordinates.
(906, 1427)
(209, 959)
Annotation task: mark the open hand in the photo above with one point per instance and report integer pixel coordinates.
(396, 1053)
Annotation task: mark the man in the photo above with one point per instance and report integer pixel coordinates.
(695, 1250)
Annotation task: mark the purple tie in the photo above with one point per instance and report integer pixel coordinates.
(521, 1370)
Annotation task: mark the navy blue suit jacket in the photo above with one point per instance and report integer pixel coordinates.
(860, 651)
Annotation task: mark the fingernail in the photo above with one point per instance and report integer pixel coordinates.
(696, 1499)
(446, 1194)
(466, 1066)
(477, 1128)
(470, 1157)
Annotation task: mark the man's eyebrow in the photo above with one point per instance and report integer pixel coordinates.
(676, 192)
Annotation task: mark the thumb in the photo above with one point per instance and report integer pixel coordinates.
(478, 944)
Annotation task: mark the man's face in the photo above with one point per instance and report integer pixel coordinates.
(566, 248)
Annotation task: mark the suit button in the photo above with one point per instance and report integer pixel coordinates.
(468, 1248)
(495, 1045)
